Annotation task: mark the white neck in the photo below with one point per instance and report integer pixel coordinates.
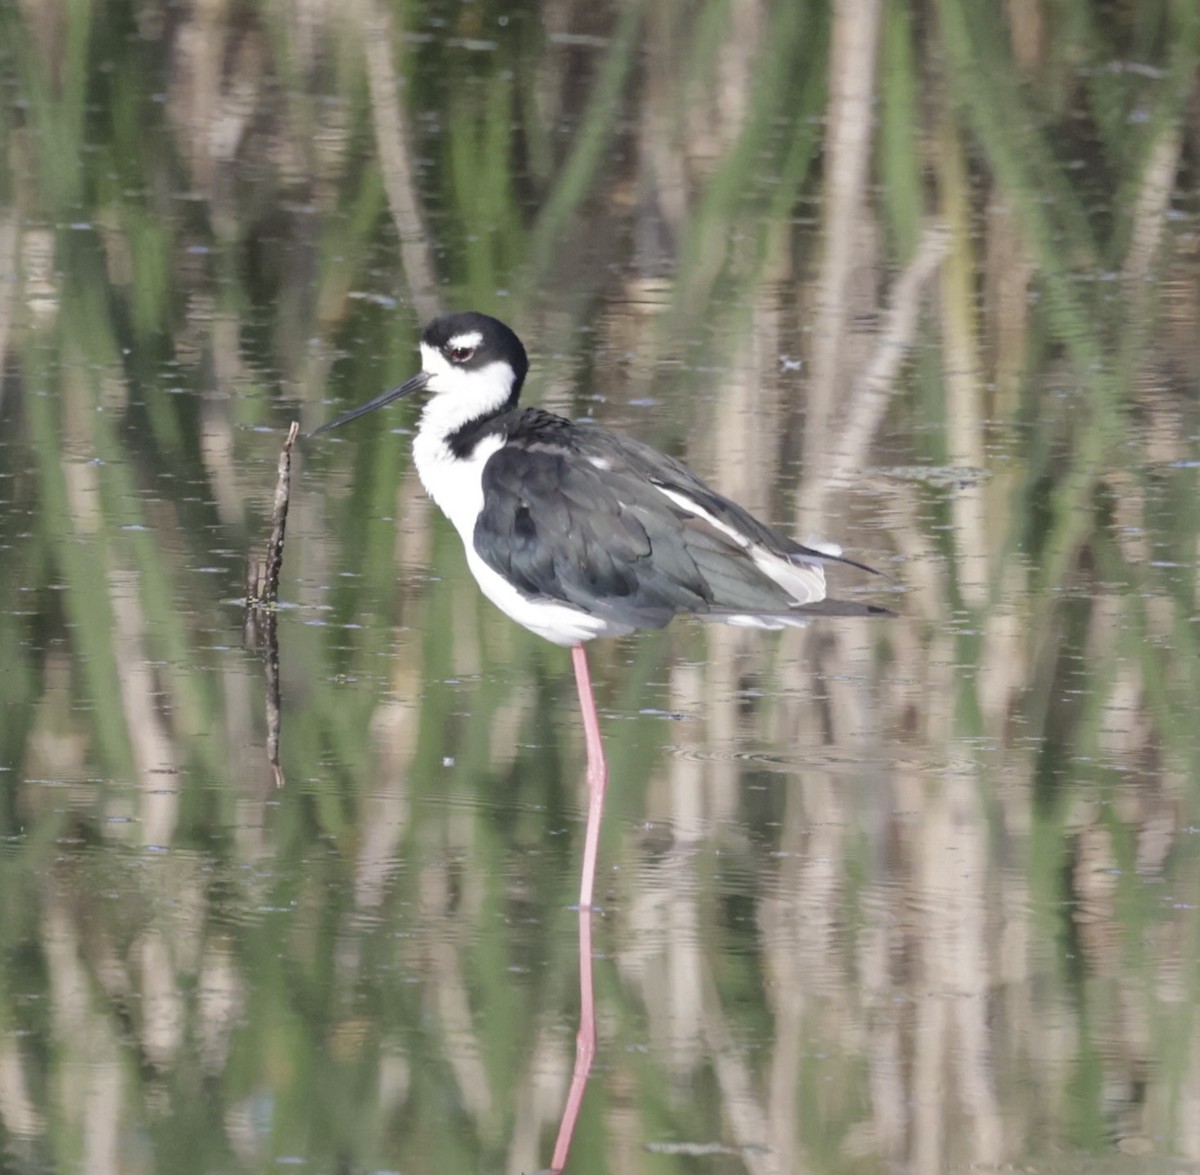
(457, 397)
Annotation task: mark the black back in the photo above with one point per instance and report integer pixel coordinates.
(574, 513)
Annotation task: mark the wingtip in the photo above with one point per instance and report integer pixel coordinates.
(818, 554)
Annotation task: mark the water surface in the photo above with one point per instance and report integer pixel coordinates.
(917, 895)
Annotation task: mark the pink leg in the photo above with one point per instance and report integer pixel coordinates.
(585, 1041)
(585, 1045)
(597, 775)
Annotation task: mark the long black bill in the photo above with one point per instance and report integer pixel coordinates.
(415, 384)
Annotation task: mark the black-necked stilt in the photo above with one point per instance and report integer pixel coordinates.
(577, 532)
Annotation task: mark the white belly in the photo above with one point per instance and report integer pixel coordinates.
(456, 485)
(557, 622)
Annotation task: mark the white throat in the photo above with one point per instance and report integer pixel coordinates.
(457, 397)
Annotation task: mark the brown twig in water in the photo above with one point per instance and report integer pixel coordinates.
(283, 489)
(262, 595)
(262, 576)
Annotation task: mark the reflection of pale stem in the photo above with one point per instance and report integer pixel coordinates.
(18, 1111)
(8, 297)
(149, 738)
(869, 399)
(961, 373)
(847, 151)
(585, 1044)
(464, 1052)
(1158, 182)
(747, 1118)
(1154, 192)
(391, 141)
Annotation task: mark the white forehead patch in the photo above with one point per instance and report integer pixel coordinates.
(471, 339)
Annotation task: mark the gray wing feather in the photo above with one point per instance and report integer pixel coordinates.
(603, 538)
(666, 471)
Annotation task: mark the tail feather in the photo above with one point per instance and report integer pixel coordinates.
(795, 616)
(843, 608)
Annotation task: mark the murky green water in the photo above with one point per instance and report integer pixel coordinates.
(917, 895)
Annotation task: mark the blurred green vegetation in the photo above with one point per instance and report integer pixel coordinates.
(204, 243)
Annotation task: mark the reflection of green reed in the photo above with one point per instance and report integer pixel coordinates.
(302, 272)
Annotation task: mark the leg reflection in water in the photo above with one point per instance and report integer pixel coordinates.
(585, 1046)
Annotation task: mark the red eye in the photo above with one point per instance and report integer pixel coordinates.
(461, 354)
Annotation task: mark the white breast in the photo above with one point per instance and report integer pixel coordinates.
(454, 483)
